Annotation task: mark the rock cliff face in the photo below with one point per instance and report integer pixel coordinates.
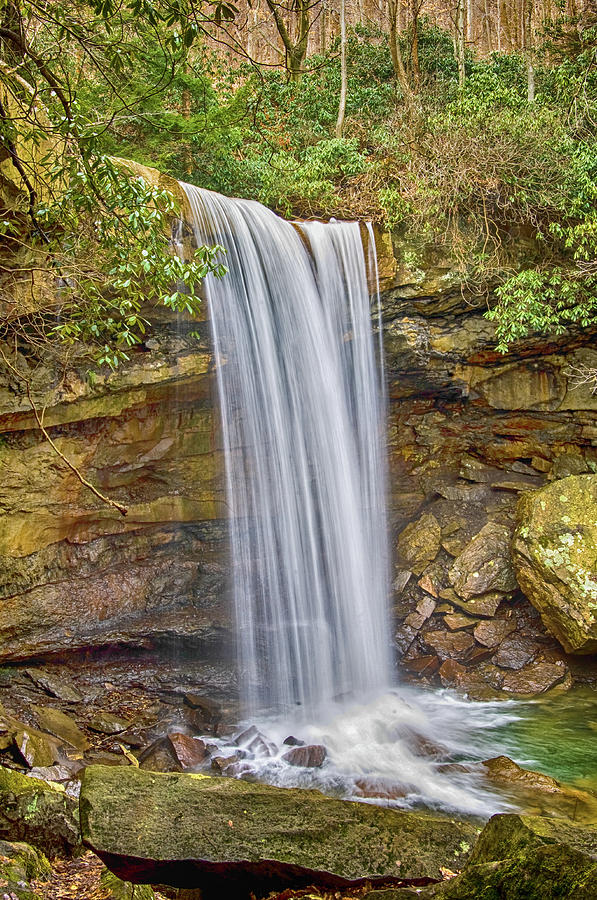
(469, 432)
(74, 572)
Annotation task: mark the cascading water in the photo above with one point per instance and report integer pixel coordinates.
(302, 413)
(302, 426)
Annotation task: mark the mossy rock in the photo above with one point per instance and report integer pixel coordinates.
(20, 864)
(124, 890)
(555, 559)
(38, 812)
(231, 838)
(527, 858)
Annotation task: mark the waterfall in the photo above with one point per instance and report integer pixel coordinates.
(302, 421)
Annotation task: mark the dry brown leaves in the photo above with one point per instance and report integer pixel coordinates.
(76, 879)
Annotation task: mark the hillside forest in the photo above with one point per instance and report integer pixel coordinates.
(470, 123)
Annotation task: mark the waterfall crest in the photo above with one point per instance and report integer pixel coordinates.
(302, 423)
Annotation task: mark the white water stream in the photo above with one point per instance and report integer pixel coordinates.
(302, 412)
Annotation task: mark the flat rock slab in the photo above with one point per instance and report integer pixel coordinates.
(234, 838)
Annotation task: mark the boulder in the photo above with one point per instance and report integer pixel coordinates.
(484, 566)
(19, 864)
(527, 858)
(189, 751)
(535, 678)
(555, 558)
(230, 838)
(38, 812)
(539, 793)
(311, 756)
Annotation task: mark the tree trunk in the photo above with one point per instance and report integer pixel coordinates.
(415, 44)
(527, 33)
(343, 71)
(460, 11)
(396, 53)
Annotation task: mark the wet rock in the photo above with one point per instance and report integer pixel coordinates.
(535, 678)
(450, 644)
(484, 566)
(450, 671)
(483, 682)
(423, 611)
(491, 634)
(568, 464)
(189, 751)
(37, 812)
(311, 756)
(423, 665)
(419, 543)
(292, 741)
(485, 606)
(60, 772)
(401, 579)
(540, 793)
(54, 685)
(479, 655)
(232, 837)
(160, 756)
(252, 741)
(35, 748)
(458, 621)
(208, 711)
(62, 726)
(515, 652)
(225, 764)
(555, 557)
(107, 723)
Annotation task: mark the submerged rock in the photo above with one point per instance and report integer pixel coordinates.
(38, 812)
(539, 793)
(555, 558)
(231, 838)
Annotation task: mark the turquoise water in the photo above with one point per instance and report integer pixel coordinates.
(555, 735)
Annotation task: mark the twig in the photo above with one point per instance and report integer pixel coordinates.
(123, 510)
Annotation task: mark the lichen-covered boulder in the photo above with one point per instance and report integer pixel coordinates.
(38, 812)
(234, 838)
(555, 558)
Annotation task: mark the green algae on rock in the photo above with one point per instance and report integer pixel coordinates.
(555, 558)
(525, 858)
(220, 834)
(19, 864)
(38, 812)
